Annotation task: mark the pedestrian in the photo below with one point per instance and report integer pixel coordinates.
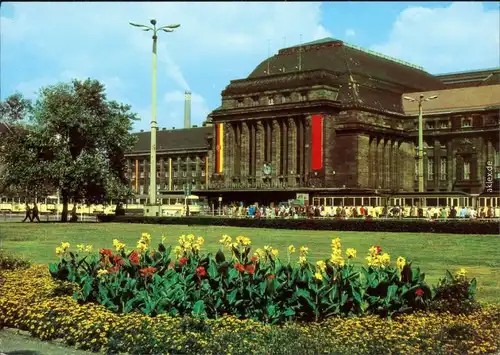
(35, 213)
(28, 213)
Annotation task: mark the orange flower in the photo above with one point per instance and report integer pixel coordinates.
(250, 269)
(239, 267)
(134, 258)
(147, 271)
(200, 271)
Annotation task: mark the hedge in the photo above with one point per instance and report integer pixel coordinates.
(354, 225)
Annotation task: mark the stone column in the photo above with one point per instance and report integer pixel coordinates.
(244, 150)
(275, 150)
(228, 152)
(254, 148)
(379, 162)
(450, 166)
(392, 164)
(437, 163)
(387, 160)
(292, 151)
(301, 149)
(259, 147)
(371, 162)
(284, 148)
(399, 165)
(198, 173)
(237, 148)
(307, 147)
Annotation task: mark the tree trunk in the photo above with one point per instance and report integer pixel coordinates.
(65, 201)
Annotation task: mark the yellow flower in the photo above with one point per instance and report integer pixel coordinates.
(337, 260)
(462, 272)
(291, 249)
(350, 253)
(163, 238)
(268, 248)
(336, 243)
(275, 252)
(243, 240)
(318, 276)
(88, 248)
(302, 260)
(196, 247)
(101, 273)
(200, 241)
(321, 265)
(178, 250)
(190, 238)
(141, 246)
(225, 240)
(146, 238)
(400, 263)
(385, 259)
(118, 245)
(260, 253)
(80, 247)
(187, 245)
(59, 251)
(65, 246)
(304, 250)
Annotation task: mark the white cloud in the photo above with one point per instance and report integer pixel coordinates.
(95, 40)
(350, 32)
(462, 36)
(321, 32)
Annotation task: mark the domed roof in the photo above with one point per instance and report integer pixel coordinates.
(337, 56)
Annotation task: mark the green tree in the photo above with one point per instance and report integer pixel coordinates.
(75, 144)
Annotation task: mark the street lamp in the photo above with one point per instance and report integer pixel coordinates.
(420, 154)
(152, 179)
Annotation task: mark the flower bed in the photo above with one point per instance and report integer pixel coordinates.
(484, 226)
(32, 300)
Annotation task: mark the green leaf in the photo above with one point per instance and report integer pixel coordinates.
(220, 257)
(391, 292)
(199, 308)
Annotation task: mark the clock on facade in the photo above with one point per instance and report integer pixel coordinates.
(267, 169)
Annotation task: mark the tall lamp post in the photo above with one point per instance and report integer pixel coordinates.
(420, 152)
(152, 167)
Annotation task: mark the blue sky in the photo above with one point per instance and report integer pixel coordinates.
(45, 43)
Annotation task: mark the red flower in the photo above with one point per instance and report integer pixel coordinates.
(201, 271)
(270, 277)
(147, 271)
(171, 265)
(107, 252)
(250, 269)
(134, 258)
(379, 249)
(419, 292)
(114, 268)
(183, 260)
(117, 260)
(239, 267)
(254, 259)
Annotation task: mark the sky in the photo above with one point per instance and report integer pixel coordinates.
(46, 43)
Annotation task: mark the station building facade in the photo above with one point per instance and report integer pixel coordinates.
(327, 115)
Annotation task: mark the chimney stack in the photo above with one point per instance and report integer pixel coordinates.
(187, 109)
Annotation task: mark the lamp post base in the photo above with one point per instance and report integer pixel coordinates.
(152, 210)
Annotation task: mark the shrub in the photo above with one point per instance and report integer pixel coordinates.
(360, 225)
(259, 286)
(27, 303)
(455, 294)
(10, 262)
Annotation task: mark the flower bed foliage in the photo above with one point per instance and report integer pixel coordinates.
(32, 300)
(259, 286)
(10, 262)
(356, 225)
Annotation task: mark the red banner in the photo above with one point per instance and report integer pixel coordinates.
(219, 154)
(317, 142)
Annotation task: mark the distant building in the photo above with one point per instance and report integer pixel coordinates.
(327, 115)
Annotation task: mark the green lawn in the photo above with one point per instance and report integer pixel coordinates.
(434, 253)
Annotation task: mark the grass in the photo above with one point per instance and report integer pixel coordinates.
(433, 253)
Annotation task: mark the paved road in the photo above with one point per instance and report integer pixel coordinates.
(6, 217)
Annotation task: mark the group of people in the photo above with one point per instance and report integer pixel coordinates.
(31, 213)
(288, 211)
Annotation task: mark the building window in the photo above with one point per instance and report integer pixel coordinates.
(175, 174)
(142, 175)
(203, 172)
(444, 124)
(431, 125)
(239, 103)
(285, 98)
(158, 174)
(303, 96)
(270, 100)
(193, 174)
(184, 173)
(166, 174)
(141, 189)
(466, 122)
(443, 166)
(430, 168)
(466, 170)
(255, 101)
